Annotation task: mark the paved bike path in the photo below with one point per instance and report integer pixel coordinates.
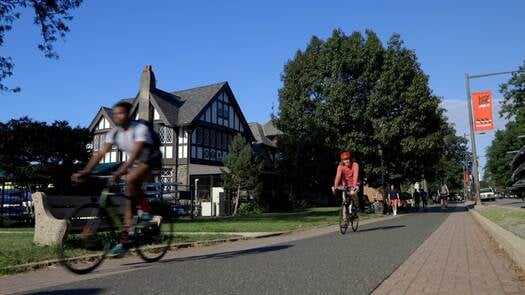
(331, 263)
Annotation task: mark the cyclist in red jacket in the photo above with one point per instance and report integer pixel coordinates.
(347, 175)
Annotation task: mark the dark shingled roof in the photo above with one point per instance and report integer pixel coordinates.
(259, 135)
(181, 107)
(194, 100)
(270, 130)
(168, 105)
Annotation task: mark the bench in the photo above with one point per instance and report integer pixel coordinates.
(50, 212)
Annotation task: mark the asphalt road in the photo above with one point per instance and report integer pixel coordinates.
(355, 263)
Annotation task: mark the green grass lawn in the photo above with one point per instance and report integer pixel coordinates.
(509, 219)
(266, 222)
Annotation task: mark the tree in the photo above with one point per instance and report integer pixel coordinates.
(350, 92)
(38, 154)
(242, 170)
(513, 94)
(451, 166)
(497, 168)
(50, 16)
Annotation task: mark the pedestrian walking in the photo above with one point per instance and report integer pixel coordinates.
(393, 194)
(443, 195)
(424, 198)
(417, 198)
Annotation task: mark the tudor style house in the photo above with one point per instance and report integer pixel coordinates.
(195, 126)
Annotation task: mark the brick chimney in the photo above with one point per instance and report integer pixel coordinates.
(147, 84)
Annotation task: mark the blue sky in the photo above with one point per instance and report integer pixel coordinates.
(192, 43)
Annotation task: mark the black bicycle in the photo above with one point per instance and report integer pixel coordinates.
(348, 214)
(94, 228)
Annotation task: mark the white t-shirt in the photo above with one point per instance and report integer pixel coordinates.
(126, 139)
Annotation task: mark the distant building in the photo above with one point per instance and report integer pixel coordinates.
(195, 125)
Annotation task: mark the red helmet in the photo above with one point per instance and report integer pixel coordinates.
(345, 155)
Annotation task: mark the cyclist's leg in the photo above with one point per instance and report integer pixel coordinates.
(136, 178)
(344, 204)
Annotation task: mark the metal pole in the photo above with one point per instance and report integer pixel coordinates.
(473, 142)
(3, 197)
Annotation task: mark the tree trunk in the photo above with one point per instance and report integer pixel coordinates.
(236, 205)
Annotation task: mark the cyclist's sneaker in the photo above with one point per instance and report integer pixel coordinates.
(118, 251)
(145, 218)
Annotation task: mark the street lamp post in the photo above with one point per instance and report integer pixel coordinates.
(380, 151)
(194, 198)
(472, 134)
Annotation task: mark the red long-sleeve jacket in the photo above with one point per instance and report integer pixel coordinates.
(348, 176)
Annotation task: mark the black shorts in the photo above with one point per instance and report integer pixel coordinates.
(443, 197)
(150, 157)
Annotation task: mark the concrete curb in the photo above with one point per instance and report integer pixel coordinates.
(512, 244)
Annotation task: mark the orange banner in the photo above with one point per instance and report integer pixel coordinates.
(482, 105)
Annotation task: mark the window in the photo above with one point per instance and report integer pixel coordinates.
(208, 115)
(193, 151)
(231, 117)
(156, 115)
(96, 142)
(183, 143)
(199, 153)
(214, 112)
(167, 151)
(194, 137)
(206, 139)
(219, 140)
(225, 141)
(206, 154)
(166, 134)
(103, 124)
(166, 175)
(212, 138)
(199, 135)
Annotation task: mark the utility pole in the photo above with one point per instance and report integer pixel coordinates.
(472, 134)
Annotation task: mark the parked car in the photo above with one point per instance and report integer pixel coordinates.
(487, 194)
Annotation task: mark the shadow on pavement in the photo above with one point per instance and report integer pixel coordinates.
(226, 255)
(222, 255)
(382, 228)
(438, 209)
(70, 291)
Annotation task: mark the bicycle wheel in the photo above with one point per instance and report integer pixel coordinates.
(154, 239)
(354, 219)
(343, 221)
(89, 236)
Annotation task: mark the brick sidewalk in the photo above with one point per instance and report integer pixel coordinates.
(458, 258)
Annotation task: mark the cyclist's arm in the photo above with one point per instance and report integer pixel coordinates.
(137, 150)
(97, 157)
(355, 168)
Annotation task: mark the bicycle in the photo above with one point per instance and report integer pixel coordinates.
(348, 214)
(94, 228)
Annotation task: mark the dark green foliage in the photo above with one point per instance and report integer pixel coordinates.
(37, 154)
(50, 16)
(350, 92)
(497, 169)
(514, 94)
(242, 171)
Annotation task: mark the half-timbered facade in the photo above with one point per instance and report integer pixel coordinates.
(195, 126)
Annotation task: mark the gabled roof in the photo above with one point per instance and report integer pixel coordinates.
(270, 129)
(260, 137)
(167, 105)
(102, 112)
(194, 101)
